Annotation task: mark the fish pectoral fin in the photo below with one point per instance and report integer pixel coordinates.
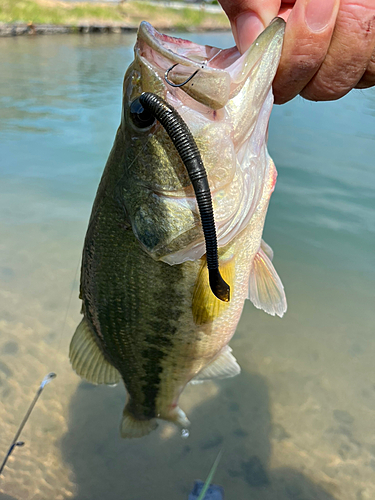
(265, 288)
(88, 360)
(205, 306)
(224, 366)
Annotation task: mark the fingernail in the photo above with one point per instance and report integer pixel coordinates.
(318, 14)
(248, 27)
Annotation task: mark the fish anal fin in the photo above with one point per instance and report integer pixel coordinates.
(223, 366)
(206, 307)
(87, 359)
(266, 290)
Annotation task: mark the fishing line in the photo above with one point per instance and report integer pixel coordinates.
(67, 312)
(50, 376)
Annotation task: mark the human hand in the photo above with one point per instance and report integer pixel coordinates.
(329, 45)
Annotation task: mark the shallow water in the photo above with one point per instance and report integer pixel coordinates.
(298, 423)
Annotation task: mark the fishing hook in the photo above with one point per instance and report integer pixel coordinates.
(178, 84)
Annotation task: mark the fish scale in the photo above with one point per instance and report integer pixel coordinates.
(149, 315)
(128, 331)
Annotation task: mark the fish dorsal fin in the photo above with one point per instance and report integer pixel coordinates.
(265, 288)
(205, 306)
(88, 360)
(224, 366)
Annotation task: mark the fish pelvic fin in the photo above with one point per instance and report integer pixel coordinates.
(266, 249)
(87, 359)
(266, 290)
(176, 416)
(132, 427)
(223, 366)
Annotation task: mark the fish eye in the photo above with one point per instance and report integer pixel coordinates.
(140, 116)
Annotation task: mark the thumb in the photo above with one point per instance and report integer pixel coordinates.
(248, 18)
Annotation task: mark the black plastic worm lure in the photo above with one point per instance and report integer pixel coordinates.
(144, 111)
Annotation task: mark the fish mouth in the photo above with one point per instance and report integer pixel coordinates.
(221, 73)
(226, 106)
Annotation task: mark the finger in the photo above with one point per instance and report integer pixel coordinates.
(307, 38)
(248, 18)
(349, 53)
(368, 78)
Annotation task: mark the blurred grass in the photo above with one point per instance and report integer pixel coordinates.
(129, 12)
(210, 476)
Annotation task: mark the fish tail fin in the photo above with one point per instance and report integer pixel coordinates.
(131, 427)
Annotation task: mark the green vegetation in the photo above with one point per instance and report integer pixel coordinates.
(127, 13)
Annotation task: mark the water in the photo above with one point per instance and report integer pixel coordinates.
(299, 421)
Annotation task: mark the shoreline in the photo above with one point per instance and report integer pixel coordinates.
(30, 29)
(47, 17)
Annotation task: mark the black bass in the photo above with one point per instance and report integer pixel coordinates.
(149, 314)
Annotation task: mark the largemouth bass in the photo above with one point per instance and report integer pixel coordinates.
(149, 314)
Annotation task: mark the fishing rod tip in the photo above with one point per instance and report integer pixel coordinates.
(48, 378)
